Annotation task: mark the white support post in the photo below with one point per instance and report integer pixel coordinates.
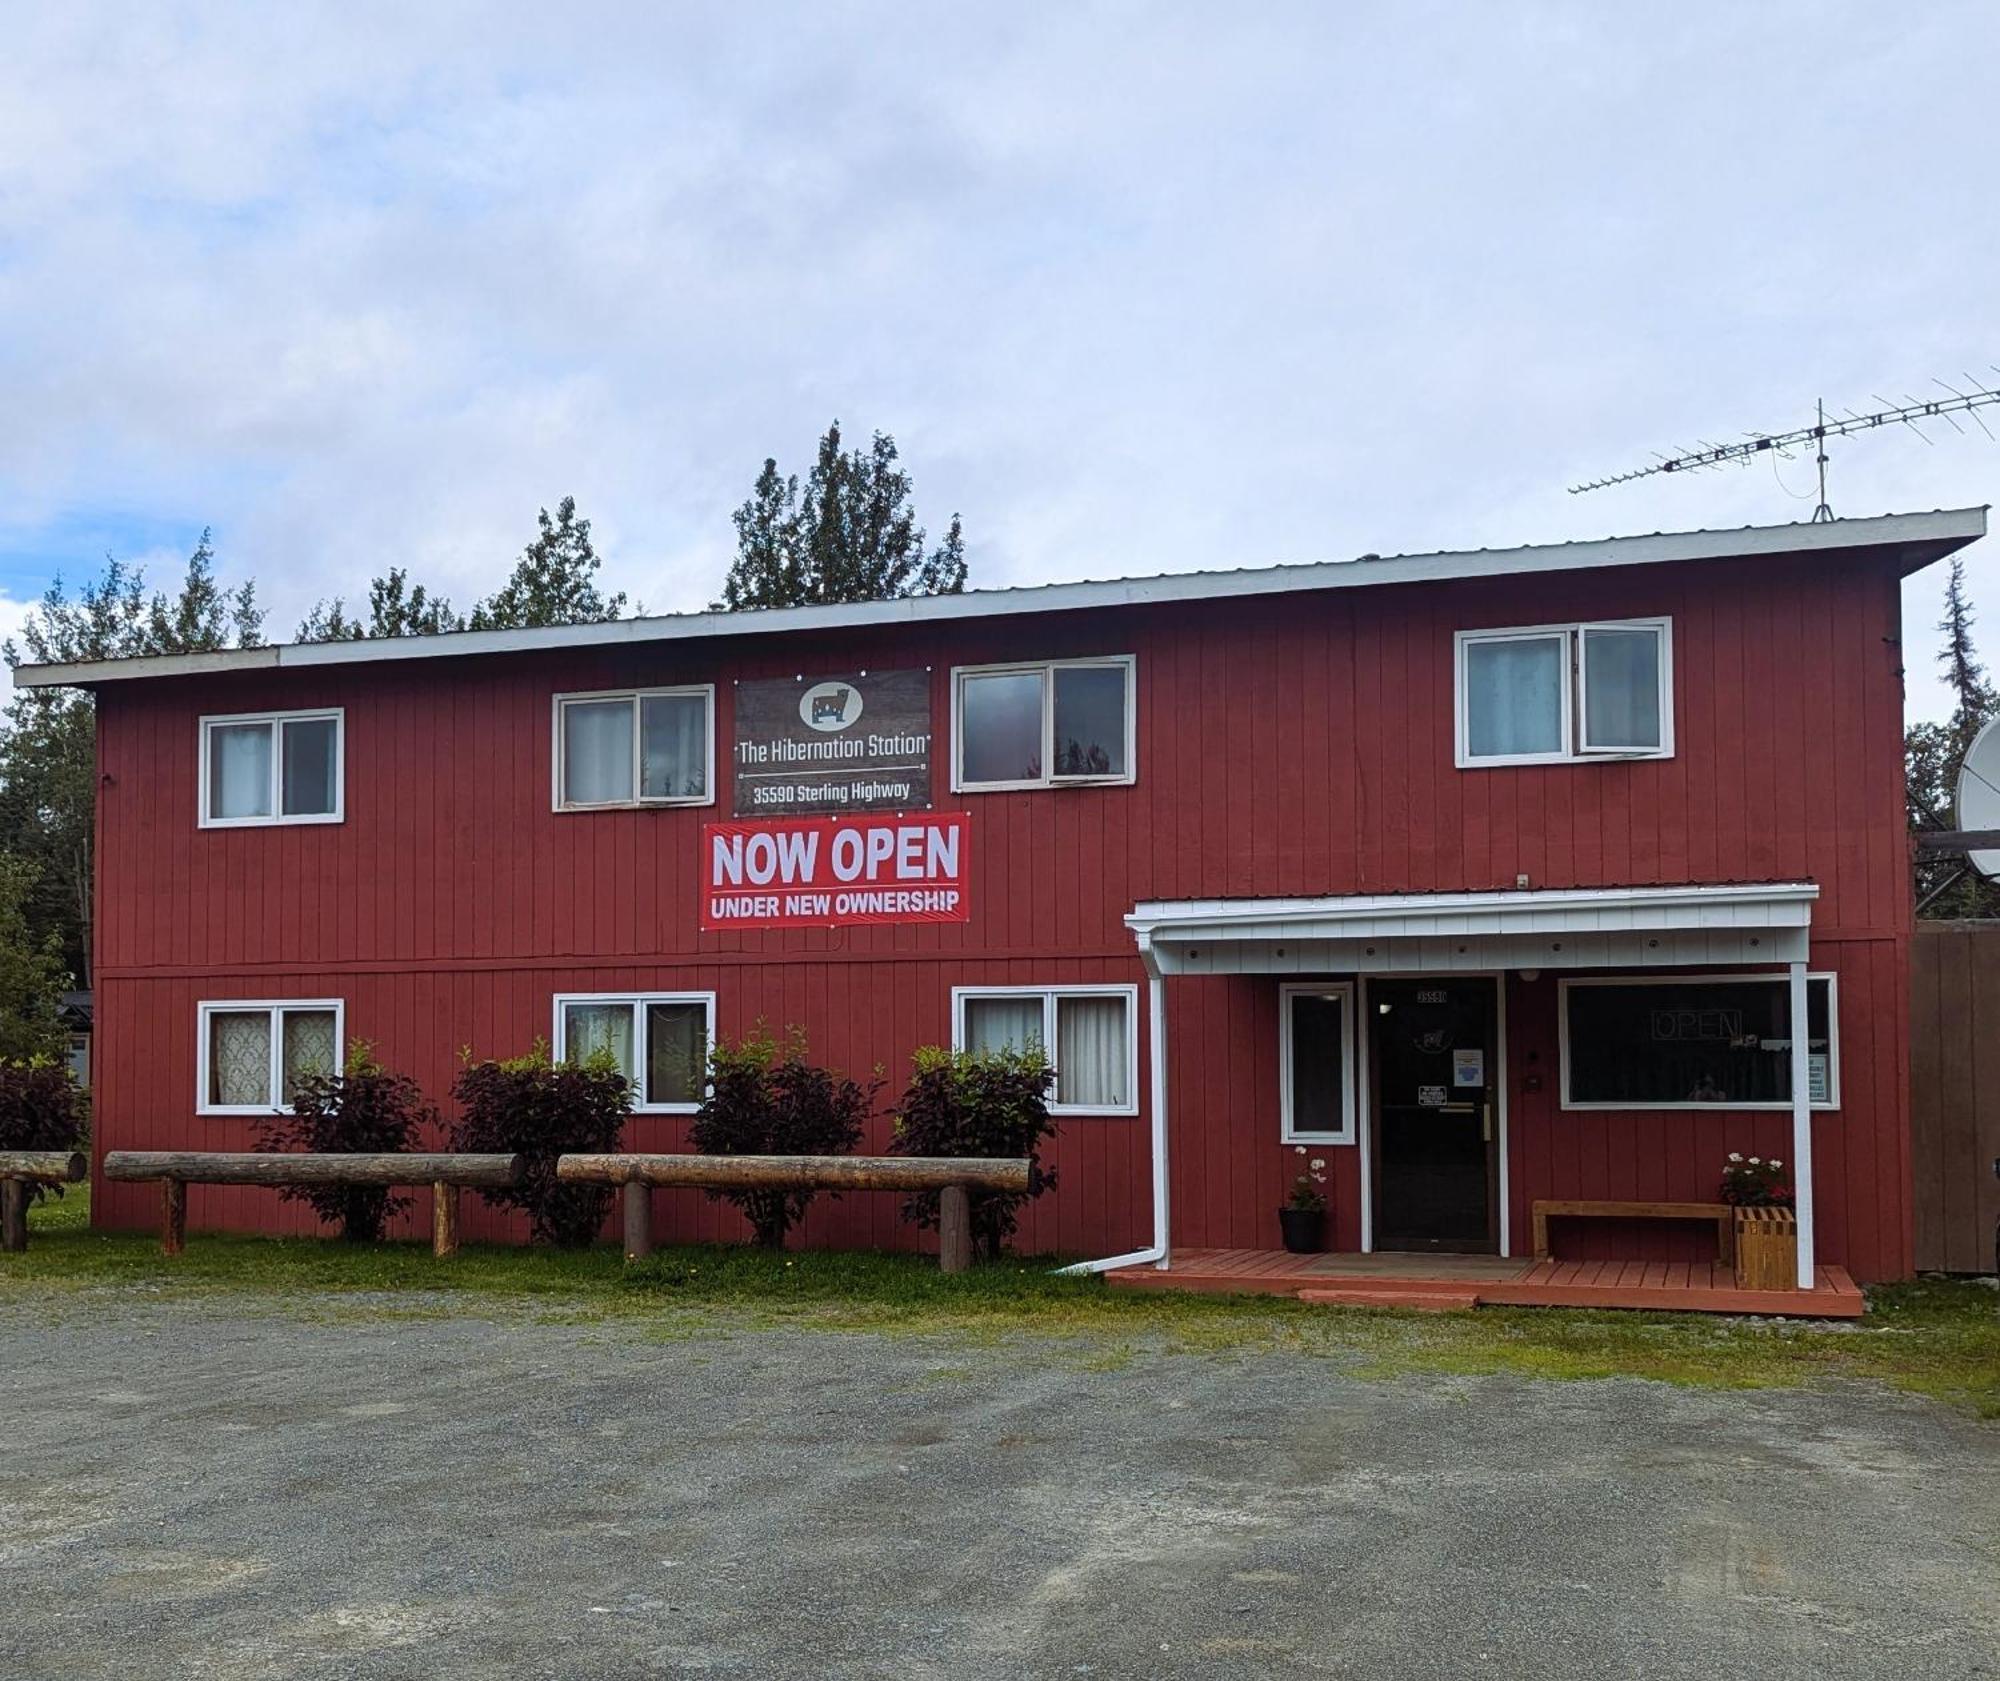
(1156, 1034)
(1802, 1162)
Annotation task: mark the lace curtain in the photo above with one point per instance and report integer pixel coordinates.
(1091, 1060)
(309, 1047)
(239, 1057)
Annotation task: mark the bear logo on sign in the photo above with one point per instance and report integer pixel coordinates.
(829, 706)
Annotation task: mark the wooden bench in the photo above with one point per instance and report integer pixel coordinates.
(1720, 1213)
(953, 1177)
(21, 1168)
(445, 1173)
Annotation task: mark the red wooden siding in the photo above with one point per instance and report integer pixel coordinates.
(1286, 746)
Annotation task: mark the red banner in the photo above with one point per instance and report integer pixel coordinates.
(835, 872)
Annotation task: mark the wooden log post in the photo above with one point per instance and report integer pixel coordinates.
(804, 1173)
(173, 1216)
(50, 1167)
(13, 1216)
(444, 1218)
(638, 1220)
(954, 1229)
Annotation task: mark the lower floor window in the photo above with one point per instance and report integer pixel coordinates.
(1695, 1042)
(658, 1040)
(252, 1056)
(1086, 1032)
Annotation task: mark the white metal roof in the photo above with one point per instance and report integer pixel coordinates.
(1925, 538)
(1558, 928)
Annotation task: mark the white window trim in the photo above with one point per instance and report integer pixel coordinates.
(277, 720)
(638, 1001)
(1047, 670)
(960, 995)
(1287, 1132)
(1772, 977)
(208, 1007)
(707, 797)
(1574, 750)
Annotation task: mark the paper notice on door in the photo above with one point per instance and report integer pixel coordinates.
(1468, 1068)
(1430, 1097)
(1817, 1088)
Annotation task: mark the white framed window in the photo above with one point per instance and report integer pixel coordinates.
(1544, 694)
(1721, 1041)
(634, 747)
(272, 767)
(1087, 1033)
(659, 1040)
(1316, 1064)
(1043, 724)
(251, 1053)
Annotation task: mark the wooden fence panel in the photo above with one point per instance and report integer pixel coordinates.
(1955, 1093)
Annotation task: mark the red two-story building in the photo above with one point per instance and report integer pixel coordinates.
(1487, 878)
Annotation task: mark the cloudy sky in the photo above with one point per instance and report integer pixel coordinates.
(1136, 288)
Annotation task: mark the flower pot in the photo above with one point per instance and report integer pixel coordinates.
(1767, 1249)
(1304, 1229)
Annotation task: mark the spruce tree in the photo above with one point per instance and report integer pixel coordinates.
(396, 607)
(849, 533)
(1933, 755)
(554, 582)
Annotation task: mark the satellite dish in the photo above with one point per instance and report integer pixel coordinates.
(1979, 793)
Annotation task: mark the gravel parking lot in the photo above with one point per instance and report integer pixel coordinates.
(215, 1488)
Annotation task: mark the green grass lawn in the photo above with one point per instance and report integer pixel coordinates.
(1940, 1339)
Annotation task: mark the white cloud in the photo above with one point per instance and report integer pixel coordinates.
(1136, 288)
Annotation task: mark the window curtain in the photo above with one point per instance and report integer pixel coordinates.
(676, 1052)
(1621, 690)
(597, 751)
(1513, 695)
(239, 770)
(1090, 1052)
(239, 1057)
(310, 1047)
(673, 738)
(1003, 1024)
(591, 1030)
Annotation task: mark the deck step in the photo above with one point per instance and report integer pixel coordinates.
(1430, 1297)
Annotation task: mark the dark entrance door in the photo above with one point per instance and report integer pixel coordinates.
(1432, 1048)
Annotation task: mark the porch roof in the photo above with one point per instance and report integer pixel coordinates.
(1561, 928)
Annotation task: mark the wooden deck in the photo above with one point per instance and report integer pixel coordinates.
(1463, 1281)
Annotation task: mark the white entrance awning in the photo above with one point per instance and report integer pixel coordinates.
(1432, 933)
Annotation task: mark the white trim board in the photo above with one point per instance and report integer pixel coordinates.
(1923, 537)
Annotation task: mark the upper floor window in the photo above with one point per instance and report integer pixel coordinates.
(1095, 1050)
(635, 747)
(658, 1040)
(1553, 692)
(251, 1056)
(271, 767)
(1041, 725)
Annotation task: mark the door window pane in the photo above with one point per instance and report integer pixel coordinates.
(676, 1052)
(1621, 690)
(309, 764)
(1091, 1054)
(1003, 1024)
(673, 747)
(239, 1057)
(1090, 720)
(592, 1030)
(1318, 1071)
(1000, 727)
(1514, 695)
(309, 1047)
(239, 770)
(597, 751)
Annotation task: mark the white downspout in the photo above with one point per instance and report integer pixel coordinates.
(1802, 1144)
(1155, 1254)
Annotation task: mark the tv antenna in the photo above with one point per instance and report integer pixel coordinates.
(1784, 445)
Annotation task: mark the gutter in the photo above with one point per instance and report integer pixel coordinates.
(1155, 1254)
